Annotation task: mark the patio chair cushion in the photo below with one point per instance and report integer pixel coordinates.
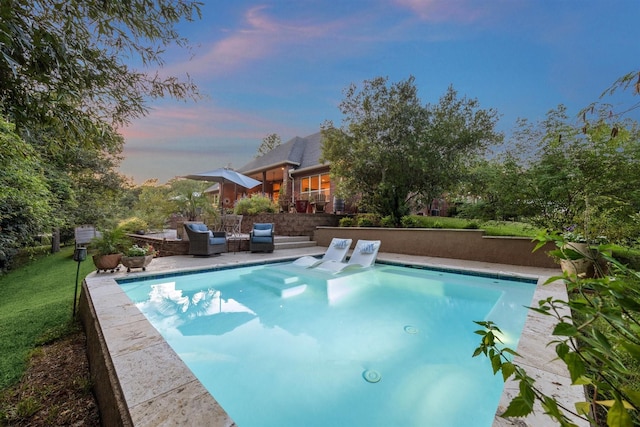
(198, 227)
(262, 226)
(217, 240)
(261, 233)
(262, 239)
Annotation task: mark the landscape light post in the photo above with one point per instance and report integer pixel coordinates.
(79, 255)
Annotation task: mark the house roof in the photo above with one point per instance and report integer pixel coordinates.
(300, 153)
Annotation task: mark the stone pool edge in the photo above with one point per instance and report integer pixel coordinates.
(131, 391)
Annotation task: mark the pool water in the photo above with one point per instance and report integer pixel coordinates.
(388, 346)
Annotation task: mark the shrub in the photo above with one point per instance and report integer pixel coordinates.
(409, 221)
(133, 225)
(254, 205)
(387, 222)
(346, 222)
(472, 226)
(367, 220)
(599, 347)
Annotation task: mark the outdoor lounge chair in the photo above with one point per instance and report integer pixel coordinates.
(337, 251)
(204, 242)
(261, 238)
(363, 256)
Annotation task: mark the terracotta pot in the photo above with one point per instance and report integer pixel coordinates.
(107, 262)
(136, 262)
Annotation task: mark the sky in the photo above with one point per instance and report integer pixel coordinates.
(282, 67)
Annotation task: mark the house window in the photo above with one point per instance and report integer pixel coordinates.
(312, 186)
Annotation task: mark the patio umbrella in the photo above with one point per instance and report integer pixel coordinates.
(223, 175)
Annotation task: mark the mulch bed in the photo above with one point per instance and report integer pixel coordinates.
(55, 389)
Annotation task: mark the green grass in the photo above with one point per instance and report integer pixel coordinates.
(491, 228)
(36, 307)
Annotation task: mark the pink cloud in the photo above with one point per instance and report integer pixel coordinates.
(259, 38)
(172, 124)
(464, 11)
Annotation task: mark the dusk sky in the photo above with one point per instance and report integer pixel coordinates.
(281, 67)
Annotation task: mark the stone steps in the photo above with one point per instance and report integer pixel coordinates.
(293, 242)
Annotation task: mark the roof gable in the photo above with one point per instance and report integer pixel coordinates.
(298, 152)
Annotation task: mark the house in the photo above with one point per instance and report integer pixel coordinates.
(291, 174)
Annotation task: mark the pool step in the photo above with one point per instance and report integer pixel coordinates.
(281, 283)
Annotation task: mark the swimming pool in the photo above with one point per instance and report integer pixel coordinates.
(388, 346)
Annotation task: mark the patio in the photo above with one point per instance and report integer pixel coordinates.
(132, 391)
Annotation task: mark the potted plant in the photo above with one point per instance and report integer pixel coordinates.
(283, 199)
(578, 255)
(136, 256)
(107, 249)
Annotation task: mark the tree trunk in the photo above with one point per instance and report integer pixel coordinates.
(55, 240)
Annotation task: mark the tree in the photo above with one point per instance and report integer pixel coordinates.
(190, 200)
(269, 142)
(62, 62)
(395, 152)
(25, 199)
(581, 174)
(65, 85)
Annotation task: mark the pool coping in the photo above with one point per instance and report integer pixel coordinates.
(131, 391)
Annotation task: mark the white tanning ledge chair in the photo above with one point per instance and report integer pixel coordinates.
(337, 251)
(363, 256)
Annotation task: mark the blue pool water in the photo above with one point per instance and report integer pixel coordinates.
(388, 346)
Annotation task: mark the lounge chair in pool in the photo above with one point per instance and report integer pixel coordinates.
(337, 251)
(363, 256)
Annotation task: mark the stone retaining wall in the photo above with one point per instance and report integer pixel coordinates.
(289, 224)
(470, 245)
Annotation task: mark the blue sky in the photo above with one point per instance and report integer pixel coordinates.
(281, 67)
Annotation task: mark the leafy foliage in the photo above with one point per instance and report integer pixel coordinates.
(189, 199)
(255, 204)
(65, 86)
(112, 241)
(25, 199)
(389, 139)
(600, 347)
(133, 224)
(62, 62)
(559, 175)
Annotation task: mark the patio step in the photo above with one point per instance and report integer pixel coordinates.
(293, 242)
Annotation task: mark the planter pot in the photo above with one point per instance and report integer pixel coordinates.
(319, 206)
(136, 262)
(579, 267)
(301, 206)
(284, 206)
(107, 262)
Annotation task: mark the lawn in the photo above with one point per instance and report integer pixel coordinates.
(36, 307)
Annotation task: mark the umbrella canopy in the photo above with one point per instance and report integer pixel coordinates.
(223, 175)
